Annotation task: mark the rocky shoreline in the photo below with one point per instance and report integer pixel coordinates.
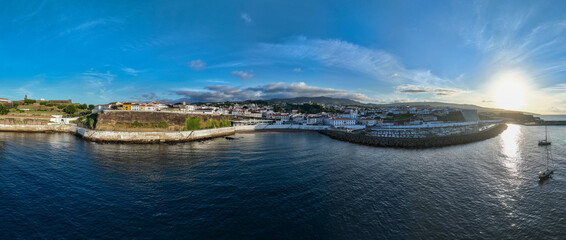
(433, 142)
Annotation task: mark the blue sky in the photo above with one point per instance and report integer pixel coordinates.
(371, 51)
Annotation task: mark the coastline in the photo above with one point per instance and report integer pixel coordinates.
(103, 136)
(188, 136)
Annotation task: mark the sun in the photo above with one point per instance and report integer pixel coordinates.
(510, 90)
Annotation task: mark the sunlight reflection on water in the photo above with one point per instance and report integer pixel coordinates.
(510, 147)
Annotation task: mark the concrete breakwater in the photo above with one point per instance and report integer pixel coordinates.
(35, 128)
(126, 137)
(152, 137)
(431, 142)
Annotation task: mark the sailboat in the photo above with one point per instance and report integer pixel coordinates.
(549, 171)
(544, 142)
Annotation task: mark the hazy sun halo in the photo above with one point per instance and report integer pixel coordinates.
(510, 91)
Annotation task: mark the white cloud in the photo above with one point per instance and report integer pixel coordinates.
(246, 18)
(197, 64)
(131, 71)
(414, 89)
(337, 54)
(242, 74)
(93, 23)
(511, 41)
(218, 93)
(297, 70)
(98, 83)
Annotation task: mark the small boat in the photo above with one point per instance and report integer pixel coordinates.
(230, 138)
(549, 171)
(545, 174)
(544, 142)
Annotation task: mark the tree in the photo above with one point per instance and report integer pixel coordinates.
(15, 106)
(70, 109)
(83, 106)
(3, 110)
(193, 123)
(91, 107)
(29, 101)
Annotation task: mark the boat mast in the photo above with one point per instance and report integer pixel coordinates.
(545, 133)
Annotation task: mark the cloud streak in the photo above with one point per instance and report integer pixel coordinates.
(411, 89)
(337, 54)
(131, 71)
(197, 65)
(242, 74)
(219, 93)
(246, 18)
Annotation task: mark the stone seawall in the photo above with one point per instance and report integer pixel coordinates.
(415, 142)
(152, 137)
(126, 137)
(35, 128)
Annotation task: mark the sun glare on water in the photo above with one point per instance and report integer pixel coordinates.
(510, 91)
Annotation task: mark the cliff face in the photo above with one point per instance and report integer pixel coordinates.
(146, 121)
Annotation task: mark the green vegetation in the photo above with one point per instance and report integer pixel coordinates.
(455, 116)
(70, 109)
(304, 108)
(91, 107)
(47, 104)
(88, 120)
(193, 123)
(277, 108)
(29, 101)
(196, 123)
(137, 124)
(213, 123)
(3, 110)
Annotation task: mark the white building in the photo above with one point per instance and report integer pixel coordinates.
(205, 110)
(338, 122)
(135, 107)
(147, 107)
(159, 106)
(314, 120)
(60, 120)
(255, 114)
(5, 100)
(190, 108)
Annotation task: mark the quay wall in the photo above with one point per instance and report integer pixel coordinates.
(34, 128)
(431, 142)
(152, 137)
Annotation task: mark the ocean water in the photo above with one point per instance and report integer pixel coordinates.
(280, 186)
(552, 117)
